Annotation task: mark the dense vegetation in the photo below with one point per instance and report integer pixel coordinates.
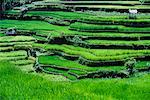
(73, 49)
(12, 79)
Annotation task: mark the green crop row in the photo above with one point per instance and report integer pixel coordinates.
(13, 12)
(74, 68)
(84, 26)
(6, 49)
(49, 33)
(88, 34)
(60, 72)
(2, 34)
(58, 14)
(28, 25)
(93, 54)
(58, 61)
(40, 38)
(77, 72)
(75, 15)
(43, 28)
(13, 58)
(114, 52)
(98, 0)
(85, 2)
(97, 20)
(13, 54)
(6, 44)
(142, 64)
(94, 28)
(77, 69)
(106, 34)
(40, 27)
(89, 16)
(22, 62)
(25, 66)
(145, 7)
(16, 39)
(116, 15)
(111, 42)
(56, 21)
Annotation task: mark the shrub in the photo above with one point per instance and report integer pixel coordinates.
(130, 64)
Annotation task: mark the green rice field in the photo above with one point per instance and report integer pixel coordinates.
(75, 49)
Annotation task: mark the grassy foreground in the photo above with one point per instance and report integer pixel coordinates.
(15, 84)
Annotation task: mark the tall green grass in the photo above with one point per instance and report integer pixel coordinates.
(15, 84)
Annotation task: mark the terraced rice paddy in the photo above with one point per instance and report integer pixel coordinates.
(74, 40)
(13, 49)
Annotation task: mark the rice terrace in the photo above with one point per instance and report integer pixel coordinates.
(74, 49)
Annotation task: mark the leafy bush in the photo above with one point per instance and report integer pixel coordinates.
(130, 64)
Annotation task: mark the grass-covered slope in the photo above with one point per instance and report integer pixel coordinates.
(18, 85)
(76, 49)
(44, 31)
